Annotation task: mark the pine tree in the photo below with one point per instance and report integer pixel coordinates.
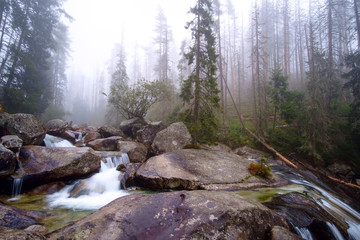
(200, 89)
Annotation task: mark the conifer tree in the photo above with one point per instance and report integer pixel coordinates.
(200, 89)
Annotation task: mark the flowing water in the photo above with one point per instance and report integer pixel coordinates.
(97, 191)
(52, 141)
(321, 194)
(100, 189)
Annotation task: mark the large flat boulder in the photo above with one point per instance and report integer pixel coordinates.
(42, 165)
(172, 138)
(200, 169)
(7, 162)
(25, 126)
(175, 215)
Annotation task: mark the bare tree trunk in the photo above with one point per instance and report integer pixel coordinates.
(356, 9)
(221, 73)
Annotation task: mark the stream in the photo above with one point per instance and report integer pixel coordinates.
(103, 187)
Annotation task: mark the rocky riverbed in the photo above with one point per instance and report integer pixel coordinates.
(201, 203)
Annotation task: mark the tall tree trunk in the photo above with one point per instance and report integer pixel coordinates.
(221, 73)
(356, 9)
(197, 81)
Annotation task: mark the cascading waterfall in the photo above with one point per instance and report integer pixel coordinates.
(100, 189)
(52, 141)
(330, 203)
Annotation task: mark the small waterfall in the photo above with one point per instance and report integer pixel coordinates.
(17, 181)
(335, 231)
(330, 203)
(304, 233)
(94, 192)
(52, 141)
(16, 189)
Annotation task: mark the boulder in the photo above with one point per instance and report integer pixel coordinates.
(303, 212)
(105, 144)
(91, 136)
(129, 176)
(137, 152)
(49, 188)
(341, 170)
(147, 133)
(7, 162)
(172, 138)
(11, 142)
(357, 181)
(131, 126)
(175, 215)
(248, 152)
(42, 165)
(108, 131)
(200, 169)
(69, 135)
(15, 218)
(56, 127)
(281, 233)
(12, 234)
(25, 126)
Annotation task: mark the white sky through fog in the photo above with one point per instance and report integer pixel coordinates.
(98, 25)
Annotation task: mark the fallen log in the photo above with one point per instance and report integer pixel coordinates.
(343, 182)
(271, 149)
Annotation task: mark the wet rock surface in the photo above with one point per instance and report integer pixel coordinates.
(42, 165)
(200, 169)
(175, 215)
(25, 126)
(305, 213)
(281, 233)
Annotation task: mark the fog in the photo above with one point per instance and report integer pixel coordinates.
(99, 25)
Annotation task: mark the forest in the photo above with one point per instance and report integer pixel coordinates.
(288, 70)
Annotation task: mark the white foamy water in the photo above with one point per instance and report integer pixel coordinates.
(52, 141)
(102, 188)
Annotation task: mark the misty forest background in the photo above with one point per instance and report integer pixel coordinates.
(290, 69)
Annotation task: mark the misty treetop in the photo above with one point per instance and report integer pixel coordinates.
(200, 89)
(33, 49)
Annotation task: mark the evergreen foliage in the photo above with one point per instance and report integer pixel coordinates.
(200, 89)
(353, 83)
(32, 38)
